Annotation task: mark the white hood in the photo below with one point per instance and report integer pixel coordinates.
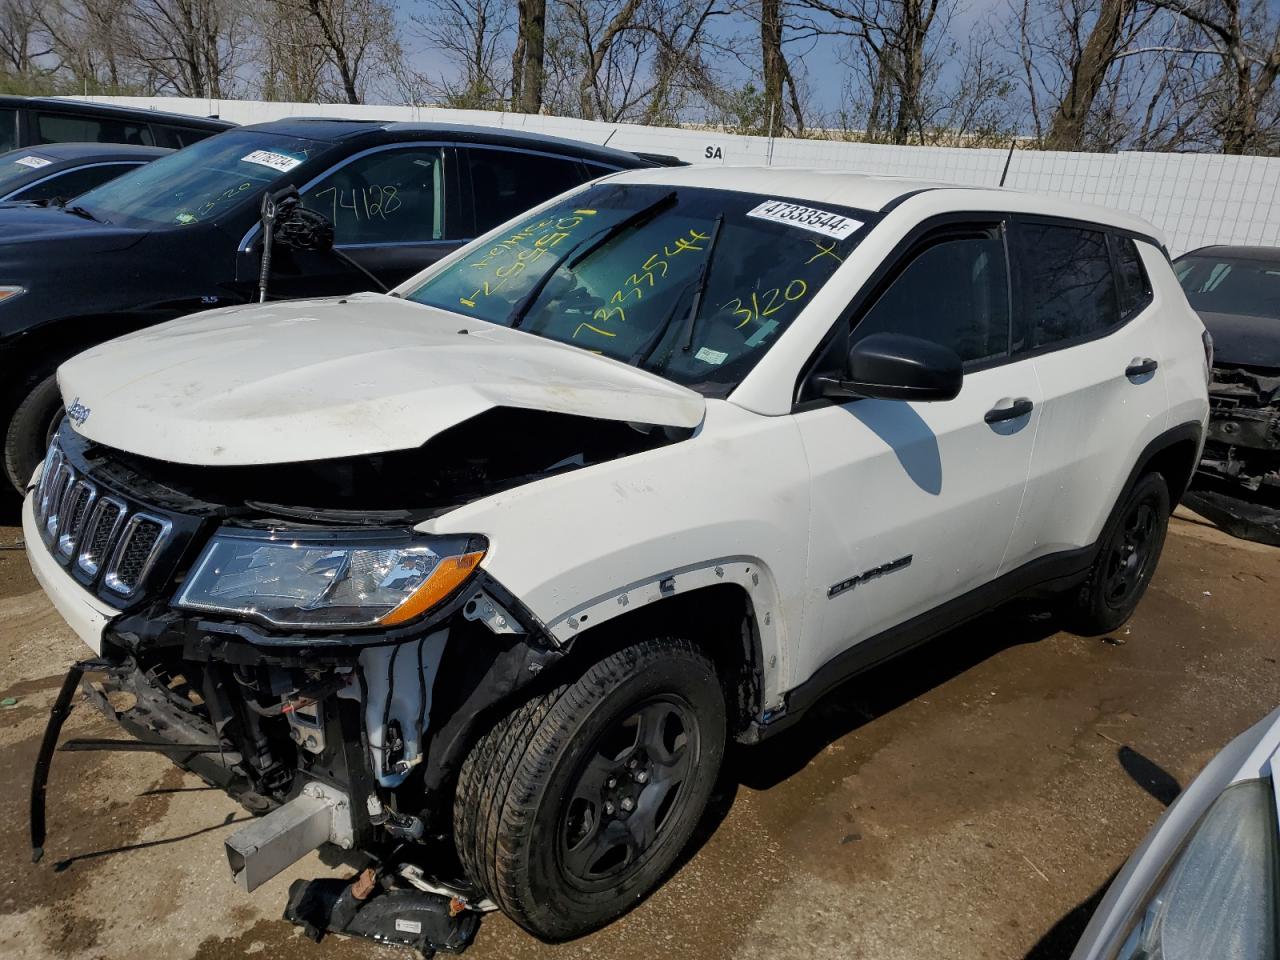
(313, 380)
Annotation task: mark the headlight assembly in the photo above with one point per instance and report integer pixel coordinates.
(330, 579)
(9, 291)
(1218, 899)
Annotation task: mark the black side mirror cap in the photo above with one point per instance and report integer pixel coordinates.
(894, 366)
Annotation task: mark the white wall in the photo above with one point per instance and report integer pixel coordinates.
(1196, 199)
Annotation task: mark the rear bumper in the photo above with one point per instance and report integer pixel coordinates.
(84, 613)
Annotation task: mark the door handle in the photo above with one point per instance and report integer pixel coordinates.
(1008, 410)
(1140, 367)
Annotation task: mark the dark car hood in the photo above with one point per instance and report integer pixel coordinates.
(1243, 341)
(23, 224)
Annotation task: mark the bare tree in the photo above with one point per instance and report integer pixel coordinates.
(775, 70)
(292, 54)
(23, 42)
(1089, 67)
(85, 39)
(528, 61)
(474, 36)
(191, 48)
(1247, 42)
(896, 42)
(680, 69)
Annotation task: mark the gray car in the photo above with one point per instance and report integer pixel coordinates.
(1204, 883)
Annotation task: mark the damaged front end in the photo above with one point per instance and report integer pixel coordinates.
(1238, 483)
(328, 675)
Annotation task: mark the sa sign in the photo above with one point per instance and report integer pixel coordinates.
(712, 152)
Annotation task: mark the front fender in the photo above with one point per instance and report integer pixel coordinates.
(728, 505)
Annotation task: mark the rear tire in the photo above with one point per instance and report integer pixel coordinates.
(1127, 557)
(576, 804)
(30, 430)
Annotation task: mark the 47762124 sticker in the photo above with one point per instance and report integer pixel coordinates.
(825, 222)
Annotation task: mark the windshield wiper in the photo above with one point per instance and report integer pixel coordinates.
(700, 287)
(81, 212)
(584, 248)
(641, 356)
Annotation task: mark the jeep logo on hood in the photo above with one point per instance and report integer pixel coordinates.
(78, 412)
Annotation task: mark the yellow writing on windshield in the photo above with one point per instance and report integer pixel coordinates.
(511, 256)
(653, 270)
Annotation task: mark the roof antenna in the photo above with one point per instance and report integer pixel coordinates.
(609, 137)
(1013, 142)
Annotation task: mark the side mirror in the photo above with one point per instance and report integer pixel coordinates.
(301, 229)
(893, 366)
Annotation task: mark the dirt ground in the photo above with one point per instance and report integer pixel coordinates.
(969, 801)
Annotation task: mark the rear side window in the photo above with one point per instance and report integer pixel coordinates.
(505, 183)
(1068, 288)
(1135, 288)
(954, 291)
(68, 128)
(8, 130)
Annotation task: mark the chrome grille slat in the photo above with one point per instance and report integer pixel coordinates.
(100, 534)
(77, 504)
(61, 485)
(142, 538)
(52, 460)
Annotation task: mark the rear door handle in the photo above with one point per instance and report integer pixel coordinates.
(1008, 410)
(1140, 367)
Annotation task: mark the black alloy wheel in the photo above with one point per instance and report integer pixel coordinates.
(1125, 562)
(625, 792)
(1132, 552)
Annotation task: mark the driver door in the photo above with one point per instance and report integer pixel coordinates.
(914, 503)
(390, 216)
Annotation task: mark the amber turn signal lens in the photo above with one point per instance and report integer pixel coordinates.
(449, 574)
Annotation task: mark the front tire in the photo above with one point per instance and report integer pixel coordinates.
(30, 431)
(1126, 561)
(576, 804)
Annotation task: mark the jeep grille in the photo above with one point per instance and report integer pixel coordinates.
(97, 532)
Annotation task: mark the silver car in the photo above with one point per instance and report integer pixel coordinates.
(1204, 883)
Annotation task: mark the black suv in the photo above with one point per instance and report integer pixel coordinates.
(184, 234)
(31, 121)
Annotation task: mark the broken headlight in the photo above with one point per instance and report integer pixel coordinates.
(329, 579)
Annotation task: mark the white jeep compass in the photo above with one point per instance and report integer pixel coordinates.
(479, 578)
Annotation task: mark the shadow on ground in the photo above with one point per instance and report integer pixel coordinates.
(885, 688)
(1063, 936)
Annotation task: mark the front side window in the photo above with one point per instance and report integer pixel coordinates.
(388, 196)
(506, 182)
(954, 291)
(1068, 289)
(72, 183)
(64, 128)
(1234, 285)
(694, 284)
(205, 182)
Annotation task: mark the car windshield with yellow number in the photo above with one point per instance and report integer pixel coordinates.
(693, 284)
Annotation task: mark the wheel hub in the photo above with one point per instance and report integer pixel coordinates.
(626, 791)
